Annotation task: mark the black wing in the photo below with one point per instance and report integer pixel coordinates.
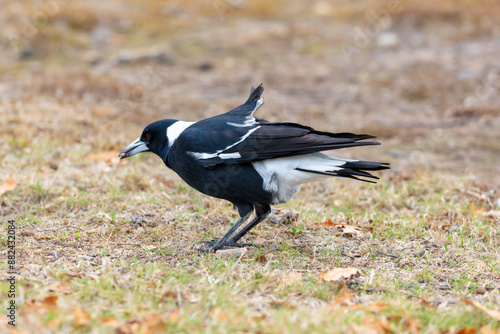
(264, 140)
(251, 105)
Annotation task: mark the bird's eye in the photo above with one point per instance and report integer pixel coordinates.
(148, 136)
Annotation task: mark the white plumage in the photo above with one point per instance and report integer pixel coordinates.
(283, 179)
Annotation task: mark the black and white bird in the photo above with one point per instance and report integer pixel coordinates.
(248, 161)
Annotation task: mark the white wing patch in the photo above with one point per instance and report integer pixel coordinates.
(235, 155)
(175, 130)
(220, 154)
(249, 120)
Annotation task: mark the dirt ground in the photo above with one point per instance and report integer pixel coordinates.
(105, 245)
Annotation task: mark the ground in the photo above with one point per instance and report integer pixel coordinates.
(104, 245)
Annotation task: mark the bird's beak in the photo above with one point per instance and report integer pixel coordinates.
(137, 146)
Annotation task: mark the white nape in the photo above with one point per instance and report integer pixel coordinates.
(175, 130)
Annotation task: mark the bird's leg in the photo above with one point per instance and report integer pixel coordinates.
(262, 212)
(223, 241)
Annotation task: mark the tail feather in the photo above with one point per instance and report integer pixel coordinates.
(352, 169)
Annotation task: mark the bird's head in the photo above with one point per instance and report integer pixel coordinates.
(153, 139)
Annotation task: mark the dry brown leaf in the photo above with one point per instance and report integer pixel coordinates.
(412, 325)
(291, 277)
(152, 324)
(426, 303)
(492, 313)
(467, 330)
(363, 329)
(347, 230)
(7, 185)
(350, 231)
(112, 322)
(82, 275)
(81, 317)
(219, 314)
(377, 307)
(371, 326)
(60, 287)
(339, 273)
(49, 302)
(475, 210)
(326, 223)
(344, 298)
(261, 259)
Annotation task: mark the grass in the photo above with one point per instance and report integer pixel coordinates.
(415, 270)
(105, 246)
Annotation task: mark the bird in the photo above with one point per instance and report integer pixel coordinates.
(250, 162)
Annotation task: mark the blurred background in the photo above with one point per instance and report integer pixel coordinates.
(83, 77)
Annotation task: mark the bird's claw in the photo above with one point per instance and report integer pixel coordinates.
(228, 244)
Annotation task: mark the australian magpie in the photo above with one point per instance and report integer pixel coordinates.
(248, 161)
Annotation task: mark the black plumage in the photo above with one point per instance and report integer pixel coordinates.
(248, 161)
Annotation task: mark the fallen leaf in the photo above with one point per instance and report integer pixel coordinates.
(48, 302)
(152, 324)
(339, 273)
(347, 230)
(371, 326)
(112, 322)
(475, 210)
(82, 275)
(261, 259)
(492, 313)
(412, 325)
(81, 317)
(426, 303)
(326, 223)
(60, 287)
(344, 298)
(291, 277)
(7, 185)
(350, 231)
(377, 307)
(219, 314)
(467, 330)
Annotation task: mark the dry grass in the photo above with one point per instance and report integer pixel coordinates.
(106, 246)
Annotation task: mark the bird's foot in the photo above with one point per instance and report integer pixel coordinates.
(213, 247)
